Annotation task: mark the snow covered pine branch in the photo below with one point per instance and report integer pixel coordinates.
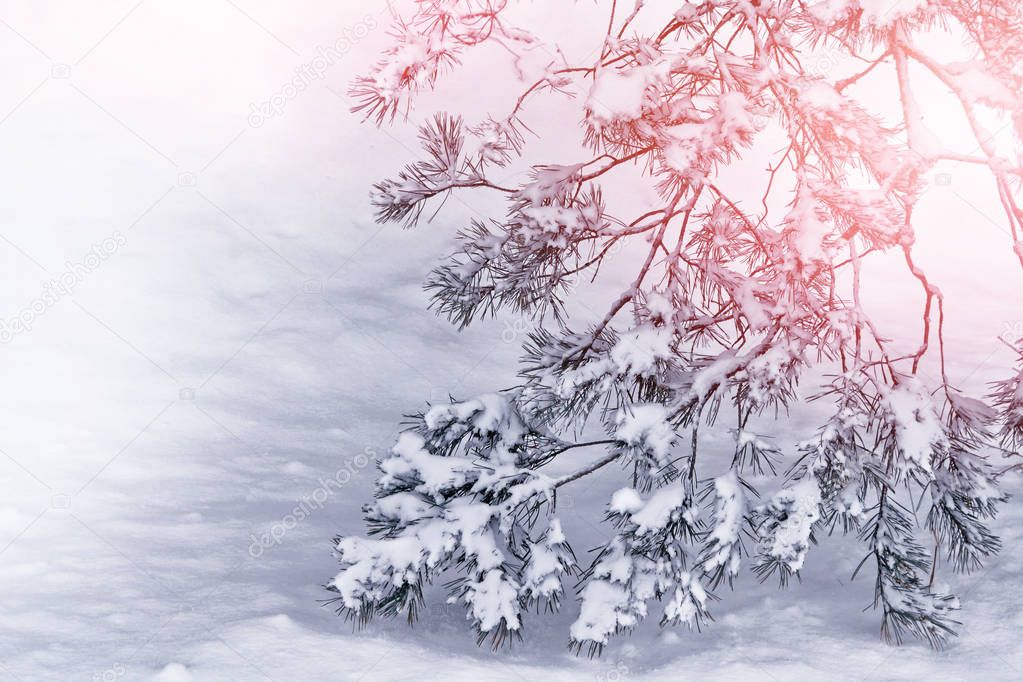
(729, 304)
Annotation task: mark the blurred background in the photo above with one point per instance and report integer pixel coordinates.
(207, 341)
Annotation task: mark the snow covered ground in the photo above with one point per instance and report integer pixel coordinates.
(193, 413)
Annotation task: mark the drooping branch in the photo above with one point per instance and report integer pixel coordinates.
(763, 281)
